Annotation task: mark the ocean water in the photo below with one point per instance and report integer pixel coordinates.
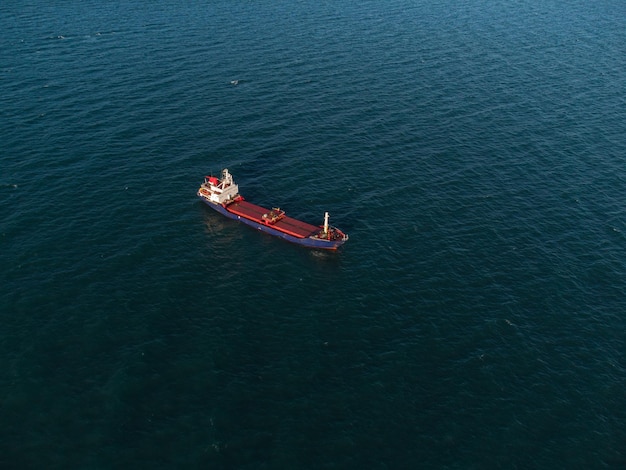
(475, 153)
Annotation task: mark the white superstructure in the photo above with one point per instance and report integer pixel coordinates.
(219, 191)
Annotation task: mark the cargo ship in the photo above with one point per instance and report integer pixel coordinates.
(222, 195)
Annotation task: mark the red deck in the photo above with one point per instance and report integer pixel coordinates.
(286, 224)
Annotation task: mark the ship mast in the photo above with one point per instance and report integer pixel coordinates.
(325, 222)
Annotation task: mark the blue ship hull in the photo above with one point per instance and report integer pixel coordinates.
(309, 242)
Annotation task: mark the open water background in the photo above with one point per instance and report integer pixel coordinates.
(473, 150)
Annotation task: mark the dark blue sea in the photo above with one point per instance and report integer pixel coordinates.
(474, 151)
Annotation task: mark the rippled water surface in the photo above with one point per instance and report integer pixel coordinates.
(474, 152)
